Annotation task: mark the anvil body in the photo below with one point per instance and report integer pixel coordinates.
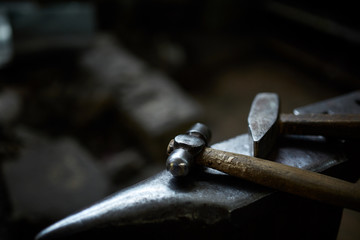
(211, 205)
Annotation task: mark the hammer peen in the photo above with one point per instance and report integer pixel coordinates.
(188, 149)
(266, 124)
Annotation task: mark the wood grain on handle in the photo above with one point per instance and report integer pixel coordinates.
(284, 178)
(328, 125)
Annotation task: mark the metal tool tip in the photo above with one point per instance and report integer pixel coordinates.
(178, 169)
(49, 233)
(41, 236)
(64, 228)
(177, 163)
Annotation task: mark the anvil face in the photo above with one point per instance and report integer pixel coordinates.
(210, 204)
(208, 197)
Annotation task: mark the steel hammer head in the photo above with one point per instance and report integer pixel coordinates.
(263, 121)
(185, 147)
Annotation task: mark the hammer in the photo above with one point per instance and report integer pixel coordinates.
(186, 150)
(266, 124)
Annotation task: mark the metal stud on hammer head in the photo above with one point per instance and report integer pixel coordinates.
(185, 148)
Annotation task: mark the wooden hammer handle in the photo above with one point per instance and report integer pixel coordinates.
(285, 178)
(328, 125)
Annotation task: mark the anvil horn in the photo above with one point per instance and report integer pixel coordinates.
(208, 196)
(155, 199)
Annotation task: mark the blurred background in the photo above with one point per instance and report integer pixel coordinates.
(92, 91)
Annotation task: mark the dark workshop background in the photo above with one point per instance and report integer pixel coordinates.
(92, 91)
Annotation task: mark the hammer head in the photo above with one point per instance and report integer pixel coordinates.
(185, 147)
(263, 123)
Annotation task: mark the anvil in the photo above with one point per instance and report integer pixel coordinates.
(211, 204)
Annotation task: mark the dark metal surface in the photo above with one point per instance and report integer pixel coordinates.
(189, 150)
(207, 197)
(263, 123)
(266, 123)
(200, 130)
(210, 203)
(184, 148)
(345, 104)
